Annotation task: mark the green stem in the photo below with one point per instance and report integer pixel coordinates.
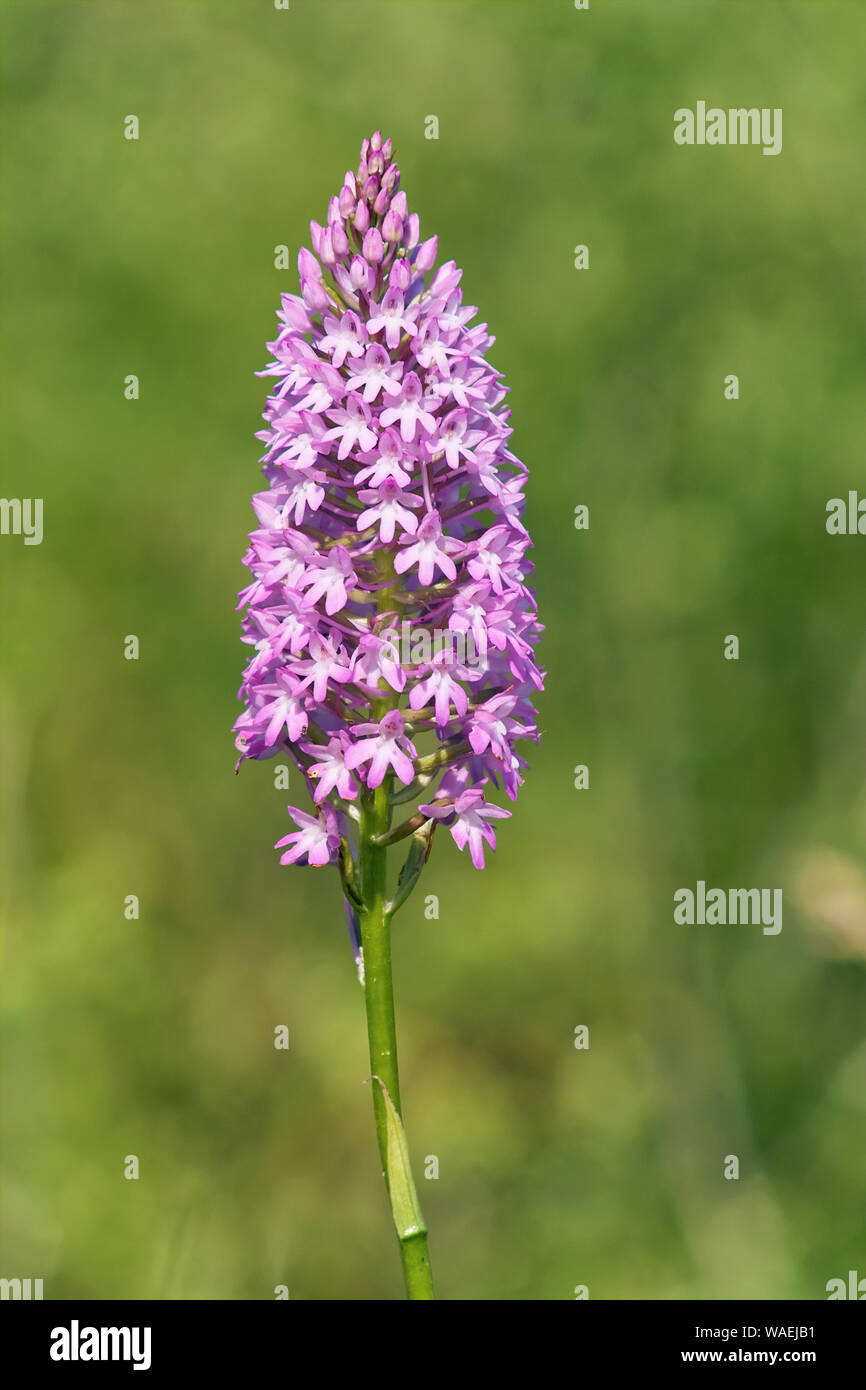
(379, 997)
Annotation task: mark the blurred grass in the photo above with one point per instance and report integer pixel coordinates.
(154, 1037)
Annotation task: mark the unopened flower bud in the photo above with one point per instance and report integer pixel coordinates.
(425, 256)
(371, 247)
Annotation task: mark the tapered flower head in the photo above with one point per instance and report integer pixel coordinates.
(392, 626)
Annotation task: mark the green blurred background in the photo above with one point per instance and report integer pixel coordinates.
(154, 1037)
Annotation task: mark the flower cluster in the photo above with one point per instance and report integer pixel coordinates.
(389, 539)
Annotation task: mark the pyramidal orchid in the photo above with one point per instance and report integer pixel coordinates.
(391, 626)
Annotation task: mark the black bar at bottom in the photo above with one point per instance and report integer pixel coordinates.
(66, 1339)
